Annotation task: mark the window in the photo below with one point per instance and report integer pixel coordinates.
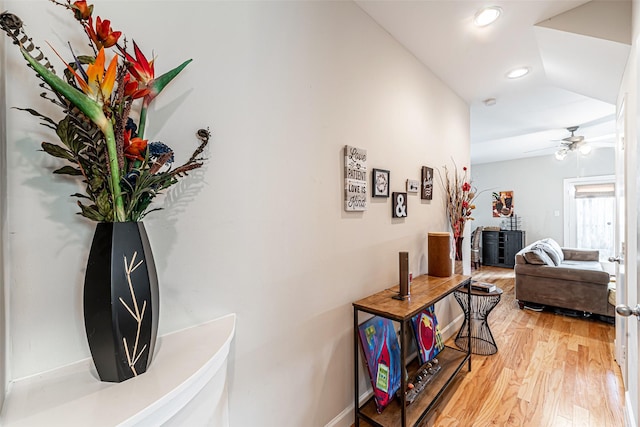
(590, 217)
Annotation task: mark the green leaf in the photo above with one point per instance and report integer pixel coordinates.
(91, 212)
(103, 202)
(96, 181)
(143, 214)
(80, 196)
(57, 151)
(86, 59)
(68, 170)
(67, 131)
(159, 83)
(37, 114)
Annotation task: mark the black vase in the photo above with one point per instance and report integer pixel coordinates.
(121, 301)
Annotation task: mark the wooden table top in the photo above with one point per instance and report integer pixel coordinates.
(425, 291)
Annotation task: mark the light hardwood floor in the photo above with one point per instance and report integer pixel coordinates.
(550, 370)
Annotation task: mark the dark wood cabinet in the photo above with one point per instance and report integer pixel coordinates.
(499, 248)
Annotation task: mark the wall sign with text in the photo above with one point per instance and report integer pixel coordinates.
(355, 179)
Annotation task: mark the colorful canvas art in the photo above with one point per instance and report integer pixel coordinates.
(427, 332)
(502, 204)
(382, 356)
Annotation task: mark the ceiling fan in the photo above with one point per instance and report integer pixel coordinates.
(572, 143)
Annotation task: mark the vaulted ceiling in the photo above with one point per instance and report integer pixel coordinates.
(576, 52)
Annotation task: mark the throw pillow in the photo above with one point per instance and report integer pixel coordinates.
(556, 247)
(555, 257)
(538, 257)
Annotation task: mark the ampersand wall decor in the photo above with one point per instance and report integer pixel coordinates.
(399, 205)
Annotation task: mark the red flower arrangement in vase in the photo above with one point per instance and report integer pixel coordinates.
(460, 194)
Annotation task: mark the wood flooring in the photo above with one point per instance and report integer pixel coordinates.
(551, 370)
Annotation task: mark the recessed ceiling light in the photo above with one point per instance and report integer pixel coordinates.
(516, 73)
(487, 16)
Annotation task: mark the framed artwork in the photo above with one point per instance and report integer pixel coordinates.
(382, 356)
(380, 181)
(355, 179)
(399, 208)
(502, 204)
(413, 185)
(427, 333)
(427, 183)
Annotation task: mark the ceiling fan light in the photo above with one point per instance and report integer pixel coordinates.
(487, 16)
(561, 154)
(585, 149)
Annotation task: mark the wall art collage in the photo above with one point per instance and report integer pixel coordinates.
(355, 184)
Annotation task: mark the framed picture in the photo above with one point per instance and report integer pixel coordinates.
(380, 180)
(382, 356)
(399, 208)
(413, 185)
(502, 204)
(427, 183)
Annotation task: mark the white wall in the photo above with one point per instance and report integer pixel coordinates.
(537, 185)
(260, 231)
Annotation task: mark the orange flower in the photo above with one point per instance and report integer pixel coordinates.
(134, 148)
(81, 11)
(132, 88)
(139, 67)
(99, 83)
(102, 36)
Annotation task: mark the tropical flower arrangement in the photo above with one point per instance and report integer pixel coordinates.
(104, 96)
(460, 195)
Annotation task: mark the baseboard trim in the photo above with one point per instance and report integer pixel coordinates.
(629, 419)
(346, 417)
(452, 328)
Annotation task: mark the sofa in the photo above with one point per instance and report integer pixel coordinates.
(549, 275)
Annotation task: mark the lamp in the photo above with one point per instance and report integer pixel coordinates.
(585, 149)
(561, 154)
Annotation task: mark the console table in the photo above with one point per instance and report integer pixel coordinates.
(425, 292)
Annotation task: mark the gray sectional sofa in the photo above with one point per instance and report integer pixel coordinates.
(549, 275)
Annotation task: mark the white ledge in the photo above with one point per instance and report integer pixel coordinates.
(184, 362)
